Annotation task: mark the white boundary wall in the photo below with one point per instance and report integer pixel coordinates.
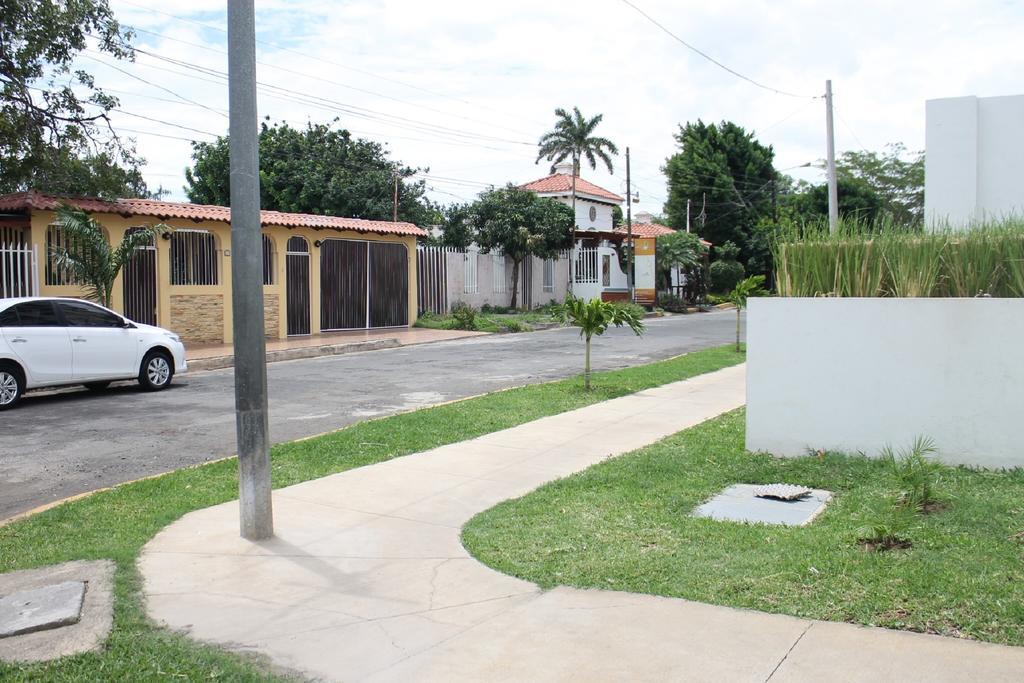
(857, 374)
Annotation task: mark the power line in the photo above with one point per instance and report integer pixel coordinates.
(351, 109)
(329, 62)
(156, 85)
(712, 59)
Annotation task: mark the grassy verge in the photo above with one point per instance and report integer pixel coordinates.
(523, 321)
(625, 525)
(116, 524)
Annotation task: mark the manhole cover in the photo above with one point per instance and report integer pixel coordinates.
(740, 503)
(782, 491)
(43, 608)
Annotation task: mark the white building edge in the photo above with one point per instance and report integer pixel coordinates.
(974, 160)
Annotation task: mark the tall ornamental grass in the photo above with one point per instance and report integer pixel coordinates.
(882, 259)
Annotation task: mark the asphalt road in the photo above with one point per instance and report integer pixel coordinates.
(58, 444)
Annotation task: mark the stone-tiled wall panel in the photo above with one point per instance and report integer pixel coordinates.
(271, 315)
(198, 318)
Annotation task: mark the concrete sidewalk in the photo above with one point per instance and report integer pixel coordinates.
(216, 356)
(367, 579)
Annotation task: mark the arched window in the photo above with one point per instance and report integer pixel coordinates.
(57, 241)
(193, 258)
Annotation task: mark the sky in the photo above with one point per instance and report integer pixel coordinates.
(465, 88)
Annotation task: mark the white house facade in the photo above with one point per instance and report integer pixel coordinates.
(596, 271)
(974, 160)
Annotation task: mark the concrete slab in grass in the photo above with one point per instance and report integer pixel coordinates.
(739, 504)
(87, 633)
(39, 609)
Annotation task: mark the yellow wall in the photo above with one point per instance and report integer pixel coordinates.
(116, 226)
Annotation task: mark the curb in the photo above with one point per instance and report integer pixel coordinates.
(221, 362)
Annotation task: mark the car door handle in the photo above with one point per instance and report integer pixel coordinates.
(79, 339)
(19, 340)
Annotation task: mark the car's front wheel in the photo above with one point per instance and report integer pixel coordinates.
(12, 386)
(156, 371)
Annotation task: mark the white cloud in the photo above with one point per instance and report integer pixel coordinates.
(498, 70)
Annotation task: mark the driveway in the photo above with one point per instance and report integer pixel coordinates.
(60, 444)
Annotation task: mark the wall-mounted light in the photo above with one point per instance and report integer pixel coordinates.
(166, 235)
(317, 243)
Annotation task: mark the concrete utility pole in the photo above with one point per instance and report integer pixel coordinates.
(687, 215)
(572, 230)
(833, 188)
(257, 516)
(629, 233)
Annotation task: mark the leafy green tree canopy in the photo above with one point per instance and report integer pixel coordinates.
(319, 170)
(55, 131)
(728, 177)
(514, 222)
(896, 180)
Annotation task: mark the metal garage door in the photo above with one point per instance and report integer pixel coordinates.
(363, 284)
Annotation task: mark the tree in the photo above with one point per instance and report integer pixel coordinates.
(726, 271)
(594, 317)
(573, 137)
(90, 176)
(679, 249)
(743, 290)
(514, 222)
(729, 178)
(89, 258)
(896, 181)
(54, 122)
(318, 170)
(857, 201)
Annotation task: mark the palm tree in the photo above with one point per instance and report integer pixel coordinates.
(743, 290)
(573, 135)
(89, 259)
(594, 317)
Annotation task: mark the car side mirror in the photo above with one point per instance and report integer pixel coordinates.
(129, 325)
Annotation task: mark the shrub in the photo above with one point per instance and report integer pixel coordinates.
(873, 260)
(631, 310)
(915, 472)
(463, 316)
(671, 303)
(725, 275)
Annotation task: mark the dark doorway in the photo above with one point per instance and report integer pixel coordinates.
(297, 285)
(139, 284)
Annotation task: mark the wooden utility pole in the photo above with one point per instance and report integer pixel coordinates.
(394, 204)
(629, 233)
(255, 511)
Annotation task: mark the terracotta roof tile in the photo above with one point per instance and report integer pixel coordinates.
(200, 212)
(562, 183)
(652, 230)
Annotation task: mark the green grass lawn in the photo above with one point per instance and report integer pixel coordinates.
(625, 525)
(116, 524)
(519, 321)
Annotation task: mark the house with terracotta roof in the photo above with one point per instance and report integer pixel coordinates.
(598, 260)
(320, 273)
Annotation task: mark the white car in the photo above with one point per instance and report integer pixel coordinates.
(50, 341)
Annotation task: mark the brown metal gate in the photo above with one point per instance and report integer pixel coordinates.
(343, 285)
(363, 285)
(389, 285)
(297, 285)
(139, 284)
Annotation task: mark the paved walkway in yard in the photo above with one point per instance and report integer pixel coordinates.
(367, 580)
